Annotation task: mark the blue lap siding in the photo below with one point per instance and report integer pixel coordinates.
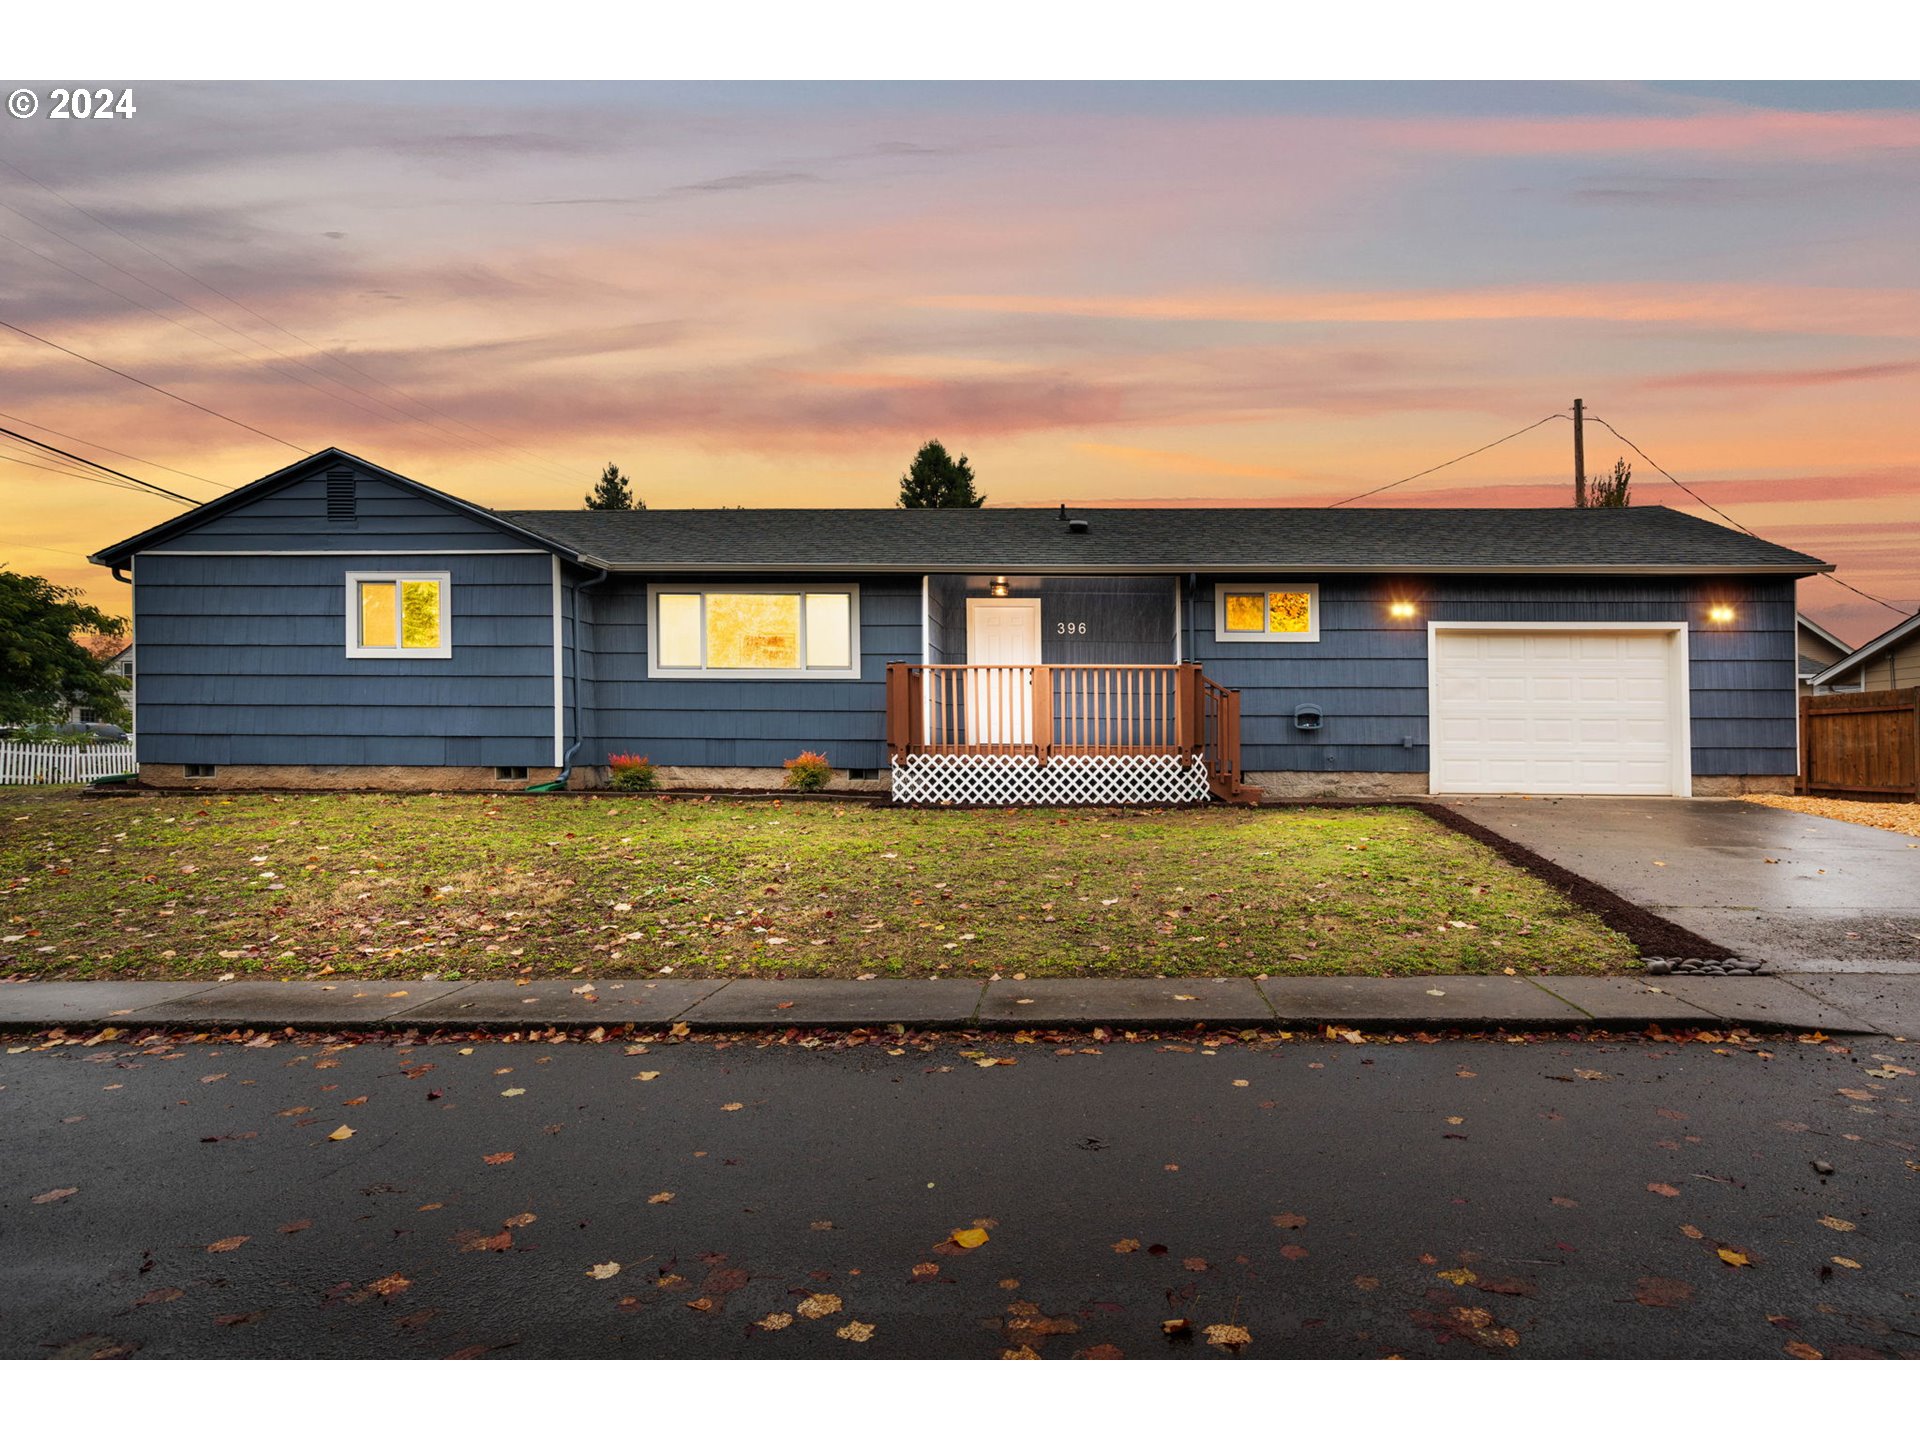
(244, 655)
(1368, 672)
(697, 721)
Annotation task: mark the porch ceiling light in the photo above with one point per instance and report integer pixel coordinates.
(1401, 609)
(1720, 614)
(999, 588)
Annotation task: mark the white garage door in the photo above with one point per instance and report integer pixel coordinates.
(1555, 712)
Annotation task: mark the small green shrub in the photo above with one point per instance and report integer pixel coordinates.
(808, 771)
(633, 772)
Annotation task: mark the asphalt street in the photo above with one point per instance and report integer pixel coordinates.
(1476, 1198)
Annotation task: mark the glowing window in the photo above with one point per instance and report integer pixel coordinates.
(767, 631)
(1273, 611)
(395, 617)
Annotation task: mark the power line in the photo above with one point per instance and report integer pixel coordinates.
(158, 390)
(1897, 609)
(124, 455)
(498, 443)
(66, 474)
(1557, 415)
(96, 465)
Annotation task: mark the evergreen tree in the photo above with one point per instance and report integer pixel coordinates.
(937, 481)
(613, 492)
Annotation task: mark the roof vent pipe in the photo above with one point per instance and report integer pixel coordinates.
(1063, 509)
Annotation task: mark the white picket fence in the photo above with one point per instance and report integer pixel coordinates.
(62, 764)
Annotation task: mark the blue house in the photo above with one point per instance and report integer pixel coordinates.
(337, 625)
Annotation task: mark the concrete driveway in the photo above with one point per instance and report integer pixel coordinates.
(1800, 892)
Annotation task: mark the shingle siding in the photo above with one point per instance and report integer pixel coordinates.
(294, 517)
(1368, 673)
(243, 661)
(728, 722)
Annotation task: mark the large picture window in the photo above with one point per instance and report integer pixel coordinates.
(1271, 610)
(764, 631)
(398, 616)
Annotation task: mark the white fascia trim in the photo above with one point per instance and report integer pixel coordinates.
(1679, 672)
(559, 677)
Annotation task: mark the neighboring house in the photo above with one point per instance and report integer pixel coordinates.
(1889, 661)
(336, 624)
(121, 664)
(1818, 650)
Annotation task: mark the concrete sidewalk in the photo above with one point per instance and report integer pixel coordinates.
(1863, 1004)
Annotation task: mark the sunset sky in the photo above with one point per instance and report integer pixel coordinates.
(1103, 293)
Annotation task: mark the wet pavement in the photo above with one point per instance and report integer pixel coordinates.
(1801, 892)
(1553, 1197)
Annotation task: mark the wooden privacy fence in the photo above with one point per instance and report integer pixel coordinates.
(1864, 745)
(61, 764)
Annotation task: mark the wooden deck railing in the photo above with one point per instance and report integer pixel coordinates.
(1048, 710)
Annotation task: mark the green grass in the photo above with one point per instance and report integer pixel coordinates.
(471, 886)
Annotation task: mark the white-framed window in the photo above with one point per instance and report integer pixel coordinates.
(1266, 610)
(761, 632)
(399, 615)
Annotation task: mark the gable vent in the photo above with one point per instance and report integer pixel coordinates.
(340, 496)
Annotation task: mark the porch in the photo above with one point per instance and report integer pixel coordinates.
(1073, 734)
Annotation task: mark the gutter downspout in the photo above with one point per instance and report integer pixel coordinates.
(560, 781)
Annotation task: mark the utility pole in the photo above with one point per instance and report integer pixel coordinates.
(1579, 455)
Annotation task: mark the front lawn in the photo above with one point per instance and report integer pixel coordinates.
(473, 886)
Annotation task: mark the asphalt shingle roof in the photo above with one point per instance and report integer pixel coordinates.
(1645, 537)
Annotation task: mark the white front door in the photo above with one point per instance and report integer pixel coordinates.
(1573, 711)
(1000, 702)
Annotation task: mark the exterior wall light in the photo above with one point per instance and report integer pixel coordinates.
(1720, 614)
(999, 588)
(1401, 610)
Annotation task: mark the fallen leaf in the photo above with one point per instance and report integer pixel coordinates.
(1125, 1247)
(232, 1242)
(1734, 1257)
(389, 1285)
(665, 1197)
(1294, 1252)
(160, 1297)
(1177, 1329)
(778, 1320)
(733, 1105)
(1693, 1232)
(1228, 1337)
(1193, 1262)
(504, 1157)
(1800, 1350)
(239, 1319)
(818, 1306)
(1462, 1276)
(1366, 1282)
(604, 1271)
(1564, 1203)
(1659, 1188)
(295, 1227)
(1661, 1293)
(52, 1196)
(855, 1331)
(1844, 1262)
(648, 1075)
(515, 1091)
(345, 1132)
(1100, 1352)
(1290, 1221)
(971, 1238)
(514, 1222)
(1834, 1222)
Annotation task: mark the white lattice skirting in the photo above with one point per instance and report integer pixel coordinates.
(1062, 780)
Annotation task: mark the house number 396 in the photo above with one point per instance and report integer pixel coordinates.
(1069, 627)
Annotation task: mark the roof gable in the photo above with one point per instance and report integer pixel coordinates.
(1879, 645)
(305, 469)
